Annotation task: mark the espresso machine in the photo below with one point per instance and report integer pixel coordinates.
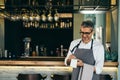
(27, 41)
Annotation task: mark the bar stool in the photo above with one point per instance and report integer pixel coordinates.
(31, 77)
(61, 77)
(105, 77)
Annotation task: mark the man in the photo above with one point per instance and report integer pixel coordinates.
(86, 51)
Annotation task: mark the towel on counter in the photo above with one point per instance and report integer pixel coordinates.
(86, 72)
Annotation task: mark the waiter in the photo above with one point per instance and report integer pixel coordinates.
(87, 51)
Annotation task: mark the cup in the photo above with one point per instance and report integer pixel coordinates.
(73, 63)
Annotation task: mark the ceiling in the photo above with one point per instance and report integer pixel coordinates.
(11, 7)
(61, 5)
(39, 5)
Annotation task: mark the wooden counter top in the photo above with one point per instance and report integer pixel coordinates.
(43, 61)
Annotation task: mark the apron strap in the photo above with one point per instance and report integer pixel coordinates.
(92, 47)
(91, 44)
(76, 46)
(79, 44)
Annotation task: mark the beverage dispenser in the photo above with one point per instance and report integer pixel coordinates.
(27, 41)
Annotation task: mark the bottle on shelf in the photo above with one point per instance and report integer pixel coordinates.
(37, 50)
(33, 53)
(5, 53)
(58, 52)
(43, 50)
(61, 47)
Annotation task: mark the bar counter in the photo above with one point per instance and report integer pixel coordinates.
(43, 61)
(11, 68)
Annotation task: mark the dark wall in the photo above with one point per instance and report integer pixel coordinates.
(13, 37)
(50, 38)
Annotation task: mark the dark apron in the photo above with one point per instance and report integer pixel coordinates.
(86, 55)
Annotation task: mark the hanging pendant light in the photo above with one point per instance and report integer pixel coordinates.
(31, 17)
(43, 16)
(37, 17)
(56, 15)
(50, 18)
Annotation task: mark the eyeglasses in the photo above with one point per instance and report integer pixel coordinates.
(87, 33)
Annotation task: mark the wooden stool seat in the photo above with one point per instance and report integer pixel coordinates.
(30, 77)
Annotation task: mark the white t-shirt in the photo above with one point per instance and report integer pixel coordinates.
(98, 52)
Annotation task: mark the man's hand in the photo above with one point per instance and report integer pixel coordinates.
(71, 57)
(80, 62)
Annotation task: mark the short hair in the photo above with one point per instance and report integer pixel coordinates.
(87, 23)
